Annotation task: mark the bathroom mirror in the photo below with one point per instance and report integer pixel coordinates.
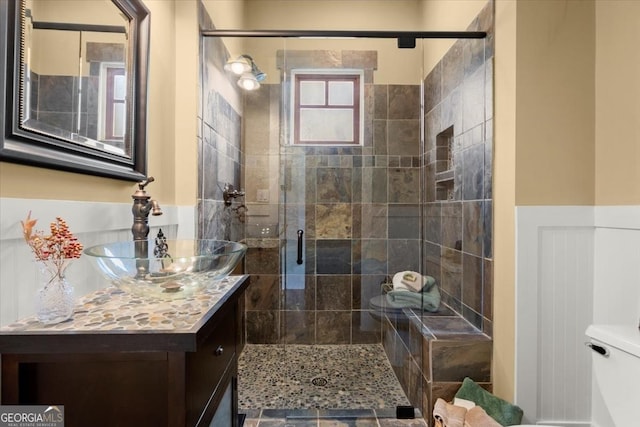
(74, 92)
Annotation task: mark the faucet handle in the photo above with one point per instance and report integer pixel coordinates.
(145, 182)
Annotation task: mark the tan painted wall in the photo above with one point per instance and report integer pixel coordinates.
(504, 201)
(617, 167)
(56, 51)
(395, 66)
(184, 147)
(163, 113)
(445, 15)
(229, 15)
(555, 106)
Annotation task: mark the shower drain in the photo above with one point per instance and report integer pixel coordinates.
(319, 381)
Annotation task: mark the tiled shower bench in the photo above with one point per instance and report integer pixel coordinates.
(431, 353)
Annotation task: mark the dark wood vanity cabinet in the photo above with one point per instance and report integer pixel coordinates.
(137, 378)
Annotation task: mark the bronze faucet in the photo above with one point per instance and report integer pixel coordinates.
(142, 205)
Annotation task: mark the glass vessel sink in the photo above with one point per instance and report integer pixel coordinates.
(177, 269)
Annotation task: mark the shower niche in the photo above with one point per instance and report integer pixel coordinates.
(445, 178)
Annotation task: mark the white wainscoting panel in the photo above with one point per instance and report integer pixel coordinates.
(93, 223)
(554, 295)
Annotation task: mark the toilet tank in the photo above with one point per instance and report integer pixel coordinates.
(616, 368)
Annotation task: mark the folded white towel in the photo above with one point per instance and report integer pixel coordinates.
(403, 281)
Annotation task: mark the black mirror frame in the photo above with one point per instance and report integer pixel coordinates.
(18, 145)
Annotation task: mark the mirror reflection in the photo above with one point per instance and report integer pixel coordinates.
(74, 82)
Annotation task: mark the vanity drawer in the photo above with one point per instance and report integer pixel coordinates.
(206, 367)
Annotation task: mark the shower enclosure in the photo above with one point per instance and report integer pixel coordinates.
(357, 163)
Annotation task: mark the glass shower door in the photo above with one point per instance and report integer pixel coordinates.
(350, 218)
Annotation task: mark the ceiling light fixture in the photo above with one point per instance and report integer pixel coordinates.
(246, 68)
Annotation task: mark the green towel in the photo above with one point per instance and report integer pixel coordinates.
(500, 410)
(427, 300)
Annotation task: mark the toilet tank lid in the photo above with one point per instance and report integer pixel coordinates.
(622, 337)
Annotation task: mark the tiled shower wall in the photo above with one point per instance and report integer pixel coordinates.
(219, 145)
(458, 164)
(358, 208)
(432, 355)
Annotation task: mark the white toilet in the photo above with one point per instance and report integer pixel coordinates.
(616, 368)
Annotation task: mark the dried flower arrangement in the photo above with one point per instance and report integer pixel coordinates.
(58, 247)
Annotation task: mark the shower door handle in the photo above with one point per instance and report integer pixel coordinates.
(300, 233)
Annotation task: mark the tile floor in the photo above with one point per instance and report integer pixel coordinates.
(327, 418)
(354, 386)
(317, 377)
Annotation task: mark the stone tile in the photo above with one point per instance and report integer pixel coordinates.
(374, 185)
(333, 185)
(298, 327)
(404, 185)
(487, 217)
(404, 102)
(403, 137)
(299, 292)
(263, 327)
(473, 102)
(454, 360)
(380, 137)
(452, 111)
(452, 218)
(451, 280)
(333, 256)
(472, 282)
(346, 413)
(404, 255)
(333, 292)
(473, 173)
(333, 221)
(374, 221)
(365, 59)
(452, 67)
(262, 261)
(432, 219)
(402, 423)
(372, 258)
(334, 327)
(433, 87)
(432, 261)
(443, 327)
(426, 358)
(473, 227)
(404, 221)
(487, 289)
(263, 292)
(472, 316)
(349, 422)
(365, 329)
(381, 102)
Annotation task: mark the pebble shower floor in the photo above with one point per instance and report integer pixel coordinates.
(355, 376)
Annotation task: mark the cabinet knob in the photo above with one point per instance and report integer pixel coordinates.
(218, 351)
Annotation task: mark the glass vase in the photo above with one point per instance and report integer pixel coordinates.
(54, 300)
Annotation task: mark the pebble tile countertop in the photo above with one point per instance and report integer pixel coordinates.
(111, 309)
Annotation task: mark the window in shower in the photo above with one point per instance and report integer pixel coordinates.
(327, 107)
